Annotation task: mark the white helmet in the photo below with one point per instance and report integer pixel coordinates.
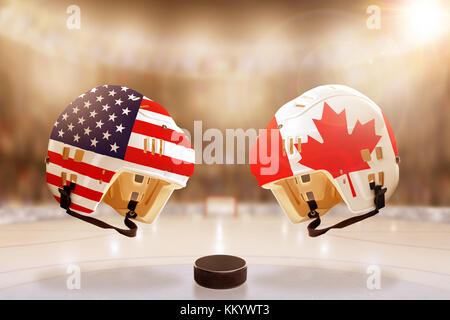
(330, 144)
(114, 144)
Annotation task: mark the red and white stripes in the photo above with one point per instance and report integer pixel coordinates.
(157, 142)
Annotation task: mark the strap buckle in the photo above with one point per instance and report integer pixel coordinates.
(65, 200)
(312, 207)
(132, 206)
(379, 199)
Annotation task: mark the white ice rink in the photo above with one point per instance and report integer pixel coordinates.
(412, 252)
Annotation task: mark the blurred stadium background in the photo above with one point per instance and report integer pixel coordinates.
(231, 64)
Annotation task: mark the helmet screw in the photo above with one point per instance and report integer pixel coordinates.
(313, 214)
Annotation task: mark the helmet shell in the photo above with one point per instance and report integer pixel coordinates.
(108, 130)
(334, 129)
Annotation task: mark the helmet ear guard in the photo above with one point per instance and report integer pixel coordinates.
(65, 202)
(311, 195)
(132, 195)
(150, 195)
(293, 194)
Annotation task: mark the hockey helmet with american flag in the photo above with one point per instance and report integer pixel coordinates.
(116, 145)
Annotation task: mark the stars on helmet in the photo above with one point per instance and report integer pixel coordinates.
(112, 117)
(114, 147)
(94, 142)
(133, 97)
(91, 122)
(106, 135)
(120, 128)
(87, 131)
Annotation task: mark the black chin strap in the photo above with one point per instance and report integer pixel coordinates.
(66, 201)
(312, 227)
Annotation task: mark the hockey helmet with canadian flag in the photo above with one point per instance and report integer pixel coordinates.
(114, 144)
(330, 144)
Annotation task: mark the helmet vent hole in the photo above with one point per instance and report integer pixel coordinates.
(379, 153)
(306, 178)
(138, 178)
(381, 178)
(299, 145)
(310, 195)
(134, 196)
(65, 154)
(79, 154)
(63, 178)
(365, 154)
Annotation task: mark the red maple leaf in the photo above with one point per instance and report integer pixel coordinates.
(340, 152)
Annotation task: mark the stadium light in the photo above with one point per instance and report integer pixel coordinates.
(426, 21)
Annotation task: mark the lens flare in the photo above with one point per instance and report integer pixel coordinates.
(425, 21)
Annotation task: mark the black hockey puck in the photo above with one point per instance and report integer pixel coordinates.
(220, 271)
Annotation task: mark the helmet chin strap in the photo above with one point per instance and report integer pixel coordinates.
(66, 201)
(379, 203)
